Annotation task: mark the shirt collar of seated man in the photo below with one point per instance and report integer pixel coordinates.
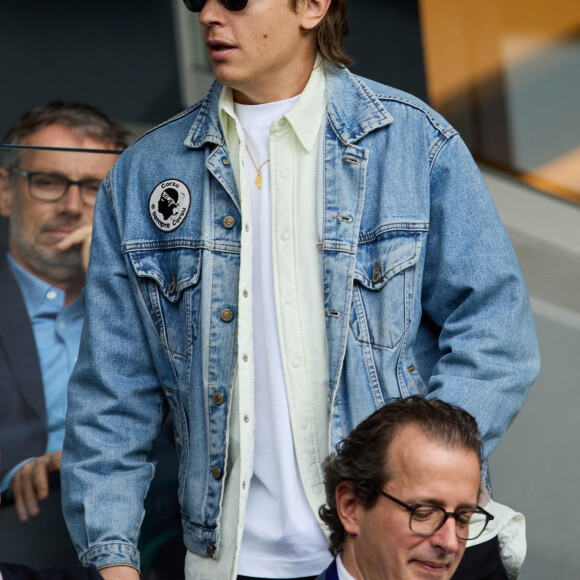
(410, 452)
(50, 238)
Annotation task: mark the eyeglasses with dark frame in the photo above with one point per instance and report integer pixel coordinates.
(46, 186)
(231, 5)
(425, 519)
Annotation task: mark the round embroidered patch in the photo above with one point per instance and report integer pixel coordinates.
(169, 204)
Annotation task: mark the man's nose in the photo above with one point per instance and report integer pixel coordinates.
(446, 537)
(71, 201)
(211, 12)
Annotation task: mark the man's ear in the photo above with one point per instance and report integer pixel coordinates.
(313, 11)
(347, 507)
(5, 193)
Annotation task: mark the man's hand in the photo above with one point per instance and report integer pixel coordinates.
(119, 573)
(81, 236)
(30, 484)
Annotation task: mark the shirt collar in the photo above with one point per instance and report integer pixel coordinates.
(36, 292)
(39, 296)
(304, 117)
(226, 108)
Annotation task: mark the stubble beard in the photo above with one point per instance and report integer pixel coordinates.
(54, 266)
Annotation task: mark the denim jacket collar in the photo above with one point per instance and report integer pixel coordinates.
(351, 118)
(207, 128)
(353, 111)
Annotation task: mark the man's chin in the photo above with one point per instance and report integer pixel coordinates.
(61, 266)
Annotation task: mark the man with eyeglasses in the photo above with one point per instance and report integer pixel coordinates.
(402, 493)
(48, 197)
(332, 245)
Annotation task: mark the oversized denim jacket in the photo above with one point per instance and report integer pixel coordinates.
(422, 293)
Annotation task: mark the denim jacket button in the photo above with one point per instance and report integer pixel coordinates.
(229, 222)
(216, 472)
(209, 550)
(217, 398)
(227, 315)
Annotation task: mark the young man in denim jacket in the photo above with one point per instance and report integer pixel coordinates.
(272, 265)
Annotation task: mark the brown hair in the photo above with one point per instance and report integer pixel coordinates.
(85, 119)
(331, 32)
(361, 458)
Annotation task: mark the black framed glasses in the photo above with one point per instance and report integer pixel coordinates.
(52, 186)
(425, 519)
(232, 5)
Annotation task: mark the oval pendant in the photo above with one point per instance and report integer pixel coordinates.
(258, 181)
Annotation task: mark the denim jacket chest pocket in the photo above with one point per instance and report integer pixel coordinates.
(169, 284)
(383, 287)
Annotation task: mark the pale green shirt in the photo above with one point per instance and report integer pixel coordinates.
(294, 155)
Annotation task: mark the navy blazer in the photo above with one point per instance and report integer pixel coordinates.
(23, 423)
(16, 572)
(330, 573)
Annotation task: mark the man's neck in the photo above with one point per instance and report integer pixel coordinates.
(72, 286)
(271, 90)
(343, 573)
(72, 294)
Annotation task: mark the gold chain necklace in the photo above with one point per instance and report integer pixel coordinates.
(258, 180)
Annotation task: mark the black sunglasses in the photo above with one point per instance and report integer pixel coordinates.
(233, 5)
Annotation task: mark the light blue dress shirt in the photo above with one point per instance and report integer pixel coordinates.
(57, 333)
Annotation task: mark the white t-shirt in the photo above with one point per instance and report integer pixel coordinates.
(281, 534)
(342, 571)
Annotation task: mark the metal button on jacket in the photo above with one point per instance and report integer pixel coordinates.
(218, 398)
(229, 222)
(216, 472)
(209, 549)
(227, 315)
(377, 275)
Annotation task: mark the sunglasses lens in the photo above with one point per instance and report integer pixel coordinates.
(232, 5)
(194, 5)
(235, 5)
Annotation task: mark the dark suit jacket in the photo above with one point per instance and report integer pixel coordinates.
(480, 562)
(15, 572)
(330, 573)
(23, 426)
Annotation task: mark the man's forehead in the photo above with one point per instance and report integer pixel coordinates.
(92, 164)
(53, 134)
(426, 468)
(413, 437)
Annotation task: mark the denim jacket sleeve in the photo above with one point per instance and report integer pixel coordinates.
(115, 411)
(474, 292)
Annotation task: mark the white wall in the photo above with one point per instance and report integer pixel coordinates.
(536, 468)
